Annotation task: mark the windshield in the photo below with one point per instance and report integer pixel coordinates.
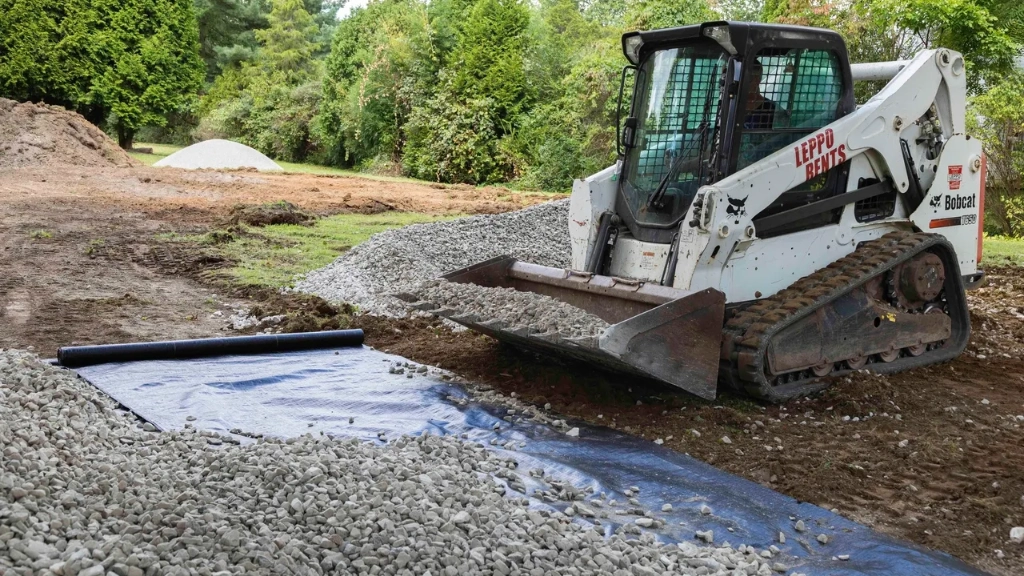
(676, 106)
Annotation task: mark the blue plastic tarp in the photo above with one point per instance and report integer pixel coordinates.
(350, 392)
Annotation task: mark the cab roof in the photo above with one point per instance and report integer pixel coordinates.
(736, 37)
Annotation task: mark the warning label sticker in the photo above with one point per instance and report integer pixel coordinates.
(647, 260)
(955, 174)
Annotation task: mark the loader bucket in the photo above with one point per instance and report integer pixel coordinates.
(657, 332)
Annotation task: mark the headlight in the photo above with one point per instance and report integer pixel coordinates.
(631, 45)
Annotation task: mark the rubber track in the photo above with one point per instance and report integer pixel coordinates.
(749, 331)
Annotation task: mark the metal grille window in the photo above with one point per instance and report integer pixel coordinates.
(677, 116)
(792, 94)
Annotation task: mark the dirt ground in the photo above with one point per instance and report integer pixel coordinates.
(81, 261)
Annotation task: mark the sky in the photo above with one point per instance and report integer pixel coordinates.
(350, 4)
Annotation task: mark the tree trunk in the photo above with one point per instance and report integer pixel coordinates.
(125, 137)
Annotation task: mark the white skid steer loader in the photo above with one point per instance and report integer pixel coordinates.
(762, 231)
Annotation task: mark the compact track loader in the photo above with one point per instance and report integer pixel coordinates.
(762, 231)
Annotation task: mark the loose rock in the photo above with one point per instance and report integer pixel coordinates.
(170, 503)
(398, 260)
(534, 312)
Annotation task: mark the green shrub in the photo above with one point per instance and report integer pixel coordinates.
(279, 122)
(455, 141)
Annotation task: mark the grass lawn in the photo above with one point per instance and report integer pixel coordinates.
(273, 255)
(1003, 250)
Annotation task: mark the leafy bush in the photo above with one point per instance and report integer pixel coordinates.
(227, 120)
(574, 135)
(455, 141)
(279, 121)
(997, 117)
(381, 62)
(492, 90)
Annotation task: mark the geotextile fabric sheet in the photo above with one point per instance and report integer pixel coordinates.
(350, 392)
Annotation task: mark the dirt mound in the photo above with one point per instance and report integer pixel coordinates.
(40, 134)
(282, 212)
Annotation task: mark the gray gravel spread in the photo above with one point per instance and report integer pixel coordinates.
(398, 260)
(536, 312)
(85, 491)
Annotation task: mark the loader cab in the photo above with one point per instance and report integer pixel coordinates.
(714, 98)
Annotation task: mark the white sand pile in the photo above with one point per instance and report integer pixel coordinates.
(219, 155)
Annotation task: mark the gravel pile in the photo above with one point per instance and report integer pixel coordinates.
(85, 491)
(398, 260)
(536, 312)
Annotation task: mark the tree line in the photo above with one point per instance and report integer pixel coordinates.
(472, 91)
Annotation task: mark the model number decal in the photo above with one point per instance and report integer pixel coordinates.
(819, 153)
(965, 220)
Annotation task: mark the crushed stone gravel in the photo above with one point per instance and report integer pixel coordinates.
(398, 260)
(536, 312)
(85, 491)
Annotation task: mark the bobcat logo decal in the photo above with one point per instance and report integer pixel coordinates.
(737, 207)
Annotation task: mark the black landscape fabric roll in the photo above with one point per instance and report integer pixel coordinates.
(78, 356)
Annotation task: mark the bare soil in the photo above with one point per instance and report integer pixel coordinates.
(82, 260)
(104, 275)
(39, 134)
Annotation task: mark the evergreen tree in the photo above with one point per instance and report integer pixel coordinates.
(447, 21)
(287, 45)
(226, 32)
(148, 64)
(280, 86)
(492, 49)
(45, 51)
